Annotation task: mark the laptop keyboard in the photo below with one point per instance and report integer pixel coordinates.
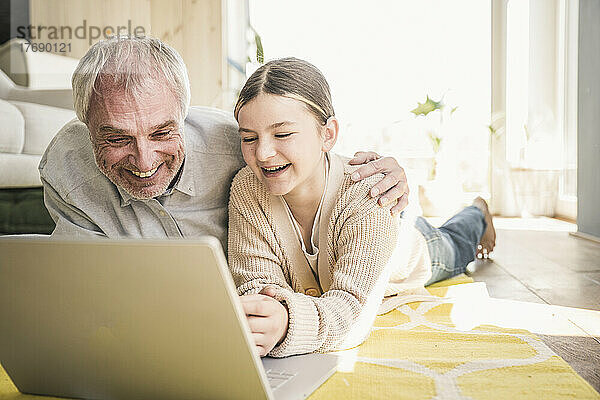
(278, 378)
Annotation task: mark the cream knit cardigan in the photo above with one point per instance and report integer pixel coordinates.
(359, 260)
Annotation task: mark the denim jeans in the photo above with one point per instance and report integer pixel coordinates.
(453, 245)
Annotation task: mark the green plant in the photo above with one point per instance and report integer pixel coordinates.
(430, 106)
(260, 53)
(436, 141)
(496, 127)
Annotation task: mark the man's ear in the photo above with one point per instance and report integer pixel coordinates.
(330, 133)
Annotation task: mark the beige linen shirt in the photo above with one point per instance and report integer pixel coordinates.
(358, 254)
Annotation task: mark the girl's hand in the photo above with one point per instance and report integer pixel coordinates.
(268, 319)
(393, 186)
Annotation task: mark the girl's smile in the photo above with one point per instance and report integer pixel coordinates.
(271, 172)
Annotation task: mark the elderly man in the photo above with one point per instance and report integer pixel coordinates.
(126, 168)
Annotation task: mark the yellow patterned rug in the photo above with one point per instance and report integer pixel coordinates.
(429, 350)
(421, 351)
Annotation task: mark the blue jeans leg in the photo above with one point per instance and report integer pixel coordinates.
(453, 245)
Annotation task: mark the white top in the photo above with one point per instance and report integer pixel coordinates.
(312, 258)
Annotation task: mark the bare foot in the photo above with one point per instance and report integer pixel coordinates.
(488, 240)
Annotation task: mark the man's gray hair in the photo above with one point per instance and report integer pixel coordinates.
(131, 64)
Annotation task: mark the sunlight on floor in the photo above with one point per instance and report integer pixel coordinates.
(535, 224)
(542, 224)
(471, 309)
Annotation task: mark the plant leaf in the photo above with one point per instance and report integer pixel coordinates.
(436, 141)
(260, 54)
(428, 106)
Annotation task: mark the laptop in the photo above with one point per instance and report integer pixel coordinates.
(135, 319)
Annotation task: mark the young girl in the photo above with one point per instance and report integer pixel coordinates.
(311, 253)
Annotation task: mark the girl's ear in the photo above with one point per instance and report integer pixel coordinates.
(330, 133)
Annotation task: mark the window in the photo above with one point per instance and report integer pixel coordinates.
(381, 59)
(541, 98)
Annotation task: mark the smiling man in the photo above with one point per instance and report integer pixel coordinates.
(137, 139)
(138, 162)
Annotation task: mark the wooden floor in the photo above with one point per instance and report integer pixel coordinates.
(538, 261)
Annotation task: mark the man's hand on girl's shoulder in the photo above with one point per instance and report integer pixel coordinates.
(393, 186)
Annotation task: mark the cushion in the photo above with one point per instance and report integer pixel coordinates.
(13, 62)
(50, 71)
(36, 69)
(41, 124)
(12, 128)
(19, 170)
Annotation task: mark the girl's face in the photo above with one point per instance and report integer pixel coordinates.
(283, 143)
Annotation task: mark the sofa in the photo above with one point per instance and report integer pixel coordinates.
(30, 116)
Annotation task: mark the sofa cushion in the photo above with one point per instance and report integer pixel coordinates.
(12, 128)
(49, 71)
(41, 124)
(19, 170)
(36, 69)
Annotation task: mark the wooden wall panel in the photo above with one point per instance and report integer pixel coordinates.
(194, 28)
(100, 14)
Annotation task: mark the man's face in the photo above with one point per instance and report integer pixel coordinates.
(138, 142)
